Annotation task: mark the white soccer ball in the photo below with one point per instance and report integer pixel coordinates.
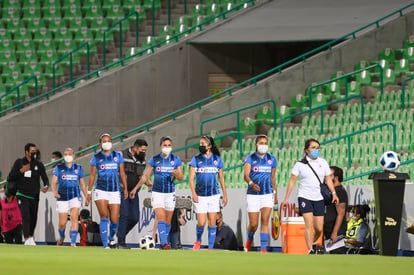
(390, 161)
(147, 242)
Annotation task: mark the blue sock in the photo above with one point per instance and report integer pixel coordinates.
(113, 228)
(167, 230)
(162, 231)
(250, 235)
(264, 237)
(73, 236)
(200, 231)
(211, 236)
(61, 233)
(103, 228)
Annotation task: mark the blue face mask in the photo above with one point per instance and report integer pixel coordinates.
(315, 153)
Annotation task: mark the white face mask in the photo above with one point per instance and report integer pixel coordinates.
(68, 159)
(262, 148)
(106, 146)
(166, 150)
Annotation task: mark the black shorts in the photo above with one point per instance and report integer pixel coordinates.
(308, 206)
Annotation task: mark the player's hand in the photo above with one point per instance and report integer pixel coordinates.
(255, 187)
(335, 199)
(195, 198)
(132, 193)
(149, 185)
(334, 237)
(86, 202)
(125, 194)
(45, 188)
(57, 196)
(224, 201)
(284, 204)
(25, 168)
(88, 199)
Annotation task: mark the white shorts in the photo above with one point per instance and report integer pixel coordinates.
(208, 204)
(256, 202)
(65, 206)
(163, 200)
(111, 197)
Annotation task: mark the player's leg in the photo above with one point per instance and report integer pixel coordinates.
(253, 211)
(200, 209)
(318, 218)
(74, 205)
(264, 227)
(33, 218)
(102, 206)
(24, 210)
(213, 206)
(62, 207)
(306, 209)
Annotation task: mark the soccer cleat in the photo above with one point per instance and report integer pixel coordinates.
(112, 244)
(263, 251)
(311, 252)
(248, 246)
(107, 247)
(165, 246)
(196, 246)
(59, 242)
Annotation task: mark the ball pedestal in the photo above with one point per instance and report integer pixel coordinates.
(389, 190)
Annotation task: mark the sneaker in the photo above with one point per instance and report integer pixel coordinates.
(72, 245)
(29, 241)
(311, 252)
(60, 242)
(248, 246)
(107, 247)
(112, 244)
(264, 251)
(196, 246)
(320, 250)
(165, 246)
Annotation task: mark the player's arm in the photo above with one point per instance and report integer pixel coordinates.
(191, 177)
(290, 186)
(340, 213)
(91, 182)
(123, 179)
(44, 177)
(54, 181)
(223, 186)
(273, 181)
(178, 173)
(82, 187)
(246, 173)
(331, 187)
(144, 178)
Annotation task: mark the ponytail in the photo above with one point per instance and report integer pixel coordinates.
(213, 145)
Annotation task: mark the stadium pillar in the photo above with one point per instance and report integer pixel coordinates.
(389, 196)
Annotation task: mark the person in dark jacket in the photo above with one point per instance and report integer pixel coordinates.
(225, 238)
(26, 172)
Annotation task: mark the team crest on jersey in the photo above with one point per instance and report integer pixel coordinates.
(102, 166)
(76, 171)
(172, 163)
(269, 161)
(115, 159)
(158, 169)
(255, 169)
(215, 162)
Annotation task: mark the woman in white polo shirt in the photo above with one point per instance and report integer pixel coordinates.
(310, 200)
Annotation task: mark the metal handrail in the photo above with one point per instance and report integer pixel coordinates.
(119, 22)
(63, 57)
(320, 108)
(372, 128)
(24, 82)
(237, 112)
(403, 91)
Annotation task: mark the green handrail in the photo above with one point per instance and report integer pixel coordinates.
(372, 128)
(403, 91)
(17, 88)
(119, 22)
(367, 173)
(63, 57)
(321, 108)
(237, 112)
(346, 76)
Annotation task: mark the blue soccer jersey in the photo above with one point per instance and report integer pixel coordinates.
(206, 174)
(260, 172)
(163, 168)
(107, 169)
(68, 181)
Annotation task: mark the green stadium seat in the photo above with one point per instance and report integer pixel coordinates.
(83, 34)
(31, 13)
(319, 99)
(402, 68)
(77, 24)
(5, 34)
(48, 73)
(6, 103)
(89, 3)
(62, 34)
(333, 90)
(389, 78)
(41, 35)
(14, 25)
(92, 12)
(150, 41)
(337, 75)
(27, 4)
(354, 88)
(10, 4)
(45, 45)
(384, 65)
(148, 4)
(388, 54)
(99, 24)
(282, 112)
(50, 12)
(32, 68)
(247, 126)
(199, 9)
(13, 79)
(20, 35)
(298, 103)
(9, 67)
(409, 42)
(364, 78)
(35, 24)
(361, 65)
(71, 12)
(5, 57)
(114, 13)
(26, 44)
(56, 24)
(314, 91)
(128, 5)
(65, 46)
(408, 54)
(133, 52)
(26, 57)
(265, 116)
(48, 57)
(10, 14)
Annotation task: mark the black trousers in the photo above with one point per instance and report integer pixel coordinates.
(28, 209)
(14, 235)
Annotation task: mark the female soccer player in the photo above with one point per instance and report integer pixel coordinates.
(206, 196)
(310, 200)
(69, 176)
(166, 167)
(259, 173)
(108, 165)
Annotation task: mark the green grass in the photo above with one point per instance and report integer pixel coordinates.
(95, 260)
